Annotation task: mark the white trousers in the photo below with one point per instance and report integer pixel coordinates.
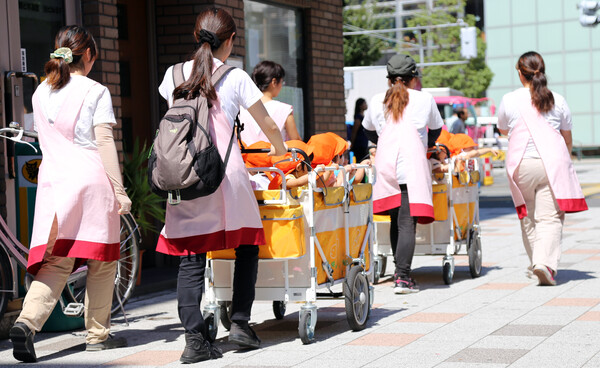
(542, 228)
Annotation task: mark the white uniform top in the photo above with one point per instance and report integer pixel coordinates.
(234, 90)
(97, 108)
(559, 117)
(421, 111)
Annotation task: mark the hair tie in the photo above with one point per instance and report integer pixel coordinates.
(210, 37)
(63, 53)
(536, 71)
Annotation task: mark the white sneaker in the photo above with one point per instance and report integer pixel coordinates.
(544, 275)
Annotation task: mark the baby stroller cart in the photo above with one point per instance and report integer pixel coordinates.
(316, 238)
(456, 214)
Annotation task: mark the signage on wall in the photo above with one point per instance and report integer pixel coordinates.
(23, 60)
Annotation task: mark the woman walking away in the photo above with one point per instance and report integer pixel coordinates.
(401, 119)
(229, 217)
(542, 180)
(358, 139)
(79, 195)
(269, 76)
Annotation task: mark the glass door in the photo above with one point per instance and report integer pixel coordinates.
(27, 30)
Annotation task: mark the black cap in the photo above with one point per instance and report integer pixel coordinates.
(402, 65)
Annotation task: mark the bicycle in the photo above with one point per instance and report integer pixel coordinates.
(13, 255)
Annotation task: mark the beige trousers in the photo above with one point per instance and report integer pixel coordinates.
(542, 228)
(49, 282)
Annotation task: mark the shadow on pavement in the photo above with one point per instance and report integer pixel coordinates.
(431, 277)
(567, 275)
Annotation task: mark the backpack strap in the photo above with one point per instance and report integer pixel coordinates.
(220, 73)
(178, 76)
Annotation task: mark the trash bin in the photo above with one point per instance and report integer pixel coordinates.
(27, 164)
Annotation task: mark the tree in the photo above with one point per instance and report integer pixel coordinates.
(473, 78)
(362, 50)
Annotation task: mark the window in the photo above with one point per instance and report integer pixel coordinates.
(275, 33)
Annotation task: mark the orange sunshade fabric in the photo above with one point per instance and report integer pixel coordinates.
(258, 159)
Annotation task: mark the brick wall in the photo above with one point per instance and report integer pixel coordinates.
(100, 18)
(323, 44)
(325, 63)
(175, 20)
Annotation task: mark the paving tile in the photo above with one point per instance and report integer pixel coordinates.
(475, 355)
(572, 302)
(385, 339)
(508, 342)
(502, 286)
(149, 358)
(433, 317)
(590, 316)
(527, 330)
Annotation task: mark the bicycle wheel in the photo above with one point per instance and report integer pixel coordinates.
(5, 282)
(127, 266)
(127, 269)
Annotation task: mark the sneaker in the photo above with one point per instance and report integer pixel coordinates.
(198, 349)
(22, 339)
(243, 335)
(405, 285)
(545, 275)
(110, 343)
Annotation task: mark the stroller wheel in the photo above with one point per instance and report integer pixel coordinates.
(279, 309)
(212, 327)
(474, 252)
(306, 327)
(225, 314)
(357, 295)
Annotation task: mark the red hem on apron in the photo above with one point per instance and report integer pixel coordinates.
(424, 212)
(207, 242)
(572, 205)
(70, 248)
(521, 211)
(387, 203)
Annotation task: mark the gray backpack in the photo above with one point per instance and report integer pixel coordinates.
(184, 163)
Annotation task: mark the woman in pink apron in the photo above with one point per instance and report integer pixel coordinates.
(79, 195)
(542, 180)
(268, 76)
(403, 186)
(229, 217)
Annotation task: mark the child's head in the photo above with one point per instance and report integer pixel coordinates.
(268, 76)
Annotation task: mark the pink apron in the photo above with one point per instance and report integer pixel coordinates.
(252, 133)
(402, 139)
(225, 219)
(555, 157)
(73, 185)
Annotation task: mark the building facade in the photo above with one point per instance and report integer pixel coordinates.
(140, 39)
(571, 53)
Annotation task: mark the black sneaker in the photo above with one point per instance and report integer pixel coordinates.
(405, 285)
(198, 349)
(110, 343)
(243, 335)
(22, 339)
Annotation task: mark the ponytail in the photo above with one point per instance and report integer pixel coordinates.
(213, 27)
(396, 98)
(71, 43)
(532, 67)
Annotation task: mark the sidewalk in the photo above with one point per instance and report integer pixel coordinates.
(497, 320)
